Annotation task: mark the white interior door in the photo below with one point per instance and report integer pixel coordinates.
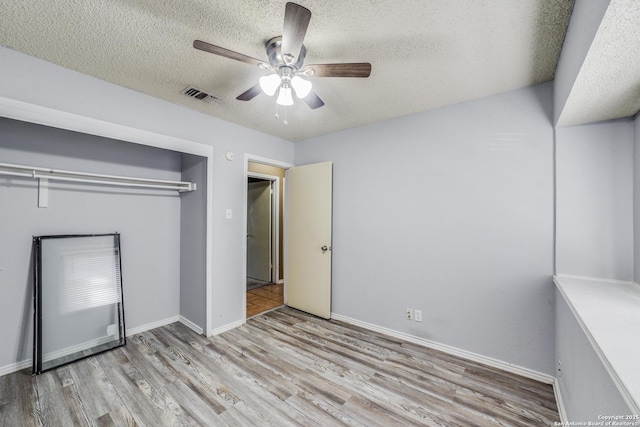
(308, 258)
(259, 230)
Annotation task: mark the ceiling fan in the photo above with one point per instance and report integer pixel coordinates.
(286, 55)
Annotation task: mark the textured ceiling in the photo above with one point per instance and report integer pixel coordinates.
(424, 53)
(608, 84)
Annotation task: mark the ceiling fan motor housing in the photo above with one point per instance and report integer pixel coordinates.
(276, 59)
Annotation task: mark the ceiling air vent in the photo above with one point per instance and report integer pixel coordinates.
(198, 94)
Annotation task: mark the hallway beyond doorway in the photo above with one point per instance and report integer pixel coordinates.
(264, 298)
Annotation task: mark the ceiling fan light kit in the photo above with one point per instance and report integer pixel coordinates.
(286, 56)
(284, 95)
(282, 82)
(301, 86)
(269, 84)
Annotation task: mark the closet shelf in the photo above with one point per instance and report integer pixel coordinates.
(93, 178)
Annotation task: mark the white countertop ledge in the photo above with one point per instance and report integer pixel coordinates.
(609, 313)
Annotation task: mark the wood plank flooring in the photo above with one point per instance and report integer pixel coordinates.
(282, 368)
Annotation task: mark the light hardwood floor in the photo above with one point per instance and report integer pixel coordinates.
(264, 298)
(281, 368)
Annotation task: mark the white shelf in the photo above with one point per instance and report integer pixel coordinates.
(609, 313)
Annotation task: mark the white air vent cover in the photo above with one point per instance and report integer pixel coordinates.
(198, 94)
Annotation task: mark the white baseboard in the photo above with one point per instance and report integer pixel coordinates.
(485, 360)
(15, 367)
(78, 348)
(508, 367)
(18, 366)
(189, 324)
(227, 327)
(560, 403)
(152, 325)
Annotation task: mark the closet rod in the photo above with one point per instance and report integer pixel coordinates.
(93, 178)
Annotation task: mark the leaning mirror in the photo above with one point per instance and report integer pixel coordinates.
(78, 298)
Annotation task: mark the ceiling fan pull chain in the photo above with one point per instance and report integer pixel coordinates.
(285, 114)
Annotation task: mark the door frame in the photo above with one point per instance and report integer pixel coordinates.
(274, 224)
(248, 157)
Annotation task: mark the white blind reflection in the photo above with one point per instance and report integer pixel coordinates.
(90, 279)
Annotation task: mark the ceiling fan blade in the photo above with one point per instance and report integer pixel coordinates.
(250, 94)
(296, 21)
(217, 50)
(313, 100)
(357, 69)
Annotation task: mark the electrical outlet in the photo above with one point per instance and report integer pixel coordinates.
(417, 314)
(409, 313)
(559, 368)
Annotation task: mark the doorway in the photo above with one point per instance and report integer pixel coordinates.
(305, 270)
(259, 232)
(264, 260)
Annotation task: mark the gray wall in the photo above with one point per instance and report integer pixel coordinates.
(450, 212)
(636, 198)
(585, 20)
(149, 223)
(193, 242)
(28, 79)
(595, 200)
(586, 387)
